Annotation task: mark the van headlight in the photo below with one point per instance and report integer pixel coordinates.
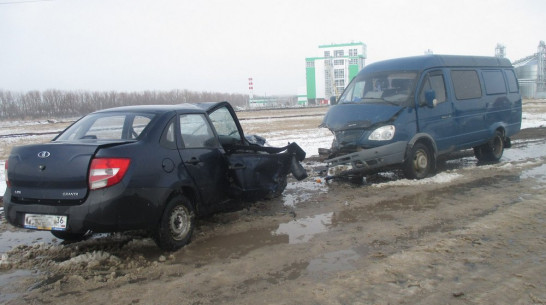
(383, 133)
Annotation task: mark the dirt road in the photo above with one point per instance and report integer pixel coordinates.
(472, 234)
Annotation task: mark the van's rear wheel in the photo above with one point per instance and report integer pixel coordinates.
(176, 225)
(419, 163)
(491, 151)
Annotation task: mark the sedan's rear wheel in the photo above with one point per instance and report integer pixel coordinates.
(176, 225)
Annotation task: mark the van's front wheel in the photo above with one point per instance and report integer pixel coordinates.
(419, 163)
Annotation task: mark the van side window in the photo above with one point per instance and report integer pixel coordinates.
(466, 84)
(433, 81)
(512, 81)
(494, 82)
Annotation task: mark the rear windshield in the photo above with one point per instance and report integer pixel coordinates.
(107, 126)
(392, 87)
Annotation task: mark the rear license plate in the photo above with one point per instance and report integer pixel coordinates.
(45, 222)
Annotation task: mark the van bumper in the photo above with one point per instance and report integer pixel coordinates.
(367, 160)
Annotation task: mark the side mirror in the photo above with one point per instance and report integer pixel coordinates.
(430, 98)
(333, 100)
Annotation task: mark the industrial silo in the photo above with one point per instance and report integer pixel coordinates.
(531, 72)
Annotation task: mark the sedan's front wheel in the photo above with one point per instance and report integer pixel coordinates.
(176, 225)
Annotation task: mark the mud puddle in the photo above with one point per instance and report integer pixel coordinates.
(9, 281)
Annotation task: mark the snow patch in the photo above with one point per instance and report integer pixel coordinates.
(533, 120)
(437, 179)
(2, 178)
(90, 260)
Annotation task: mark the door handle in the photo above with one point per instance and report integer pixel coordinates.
(237, 166)
(193, 161)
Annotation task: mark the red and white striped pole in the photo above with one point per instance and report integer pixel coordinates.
(250, 88)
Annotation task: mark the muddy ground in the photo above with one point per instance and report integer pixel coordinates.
(472, 234)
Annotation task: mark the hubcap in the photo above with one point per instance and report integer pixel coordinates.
(421, 161)
(180, 222)
(497, 146)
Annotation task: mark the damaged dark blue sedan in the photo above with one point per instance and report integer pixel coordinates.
(155, 168)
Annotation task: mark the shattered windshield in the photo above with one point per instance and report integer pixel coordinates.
(393, 87)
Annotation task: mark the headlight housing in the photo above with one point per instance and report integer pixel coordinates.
(383, 133)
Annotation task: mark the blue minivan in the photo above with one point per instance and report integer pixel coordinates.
(407, 112)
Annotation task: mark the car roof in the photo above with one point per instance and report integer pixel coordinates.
(423, 62)
(158, 109)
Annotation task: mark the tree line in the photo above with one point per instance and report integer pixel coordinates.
(66, 104)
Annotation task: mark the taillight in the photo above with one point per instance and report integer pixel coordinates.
(105, 172)
(6, 173)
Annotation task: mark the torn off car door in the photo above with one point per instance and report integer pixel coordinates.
(255, 171)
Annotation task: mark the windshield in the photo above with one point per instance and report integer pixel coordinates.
(107, 126)
(393, 87)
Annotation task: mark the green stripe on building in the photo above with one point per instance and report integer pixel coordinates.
(311, 86)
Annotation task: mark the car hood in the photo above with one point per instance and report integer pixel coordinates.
(358, 116)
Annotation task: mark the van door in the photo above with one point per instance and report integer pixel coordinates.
(469, 108)
(438, 120)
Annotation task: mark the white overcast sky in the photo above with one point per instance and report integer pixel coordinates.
(214, 45)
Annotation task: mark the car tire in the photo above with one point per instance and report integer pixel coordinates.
(491, 151)
(69, 236)
(177, 224)
(419, 163)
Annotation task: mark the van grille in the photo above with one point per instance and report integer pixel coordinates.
(348, 138)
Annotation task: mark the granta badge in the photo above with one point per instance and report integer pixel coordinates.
(44, 154)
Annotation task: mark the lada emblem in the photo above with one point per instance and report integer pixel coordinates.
(44, 154)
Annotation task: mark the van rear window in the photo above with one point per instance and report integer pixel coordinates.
(494, 82)
(512, 82)
(466, 84)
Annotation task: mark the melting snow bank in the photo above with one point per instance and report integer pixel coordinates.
(533, 120)
(90, 260)
(2, 178)
(437, 179)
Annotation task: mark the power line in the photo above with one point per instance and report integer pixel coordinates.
(22, 2)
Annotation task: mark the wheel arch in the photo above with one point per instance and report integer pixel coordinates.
(186, 191)
(425, 139)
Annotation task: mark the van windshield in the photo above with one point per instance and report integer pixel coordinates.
(393, 87)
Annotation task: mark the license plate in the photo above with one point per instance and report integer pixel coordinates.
(45, 222)
(338, 169)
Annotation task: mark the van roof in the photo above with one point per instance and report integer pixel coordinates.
(423, 62)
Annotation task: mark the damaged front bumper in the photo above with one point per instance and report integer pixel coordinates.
(367, 160)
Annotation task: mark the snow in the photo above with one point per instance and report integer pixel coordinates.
(533, 120)
(2, 178)
(439, 178)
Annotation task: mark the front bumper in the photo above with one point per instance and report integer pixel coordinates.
(367, 160)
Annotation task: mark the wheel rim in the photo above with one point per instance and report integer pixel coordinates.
(497, 147)
(180, 222)
(420, 162)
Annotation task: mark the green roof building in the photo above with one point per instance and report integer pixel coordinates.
(329, 74)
